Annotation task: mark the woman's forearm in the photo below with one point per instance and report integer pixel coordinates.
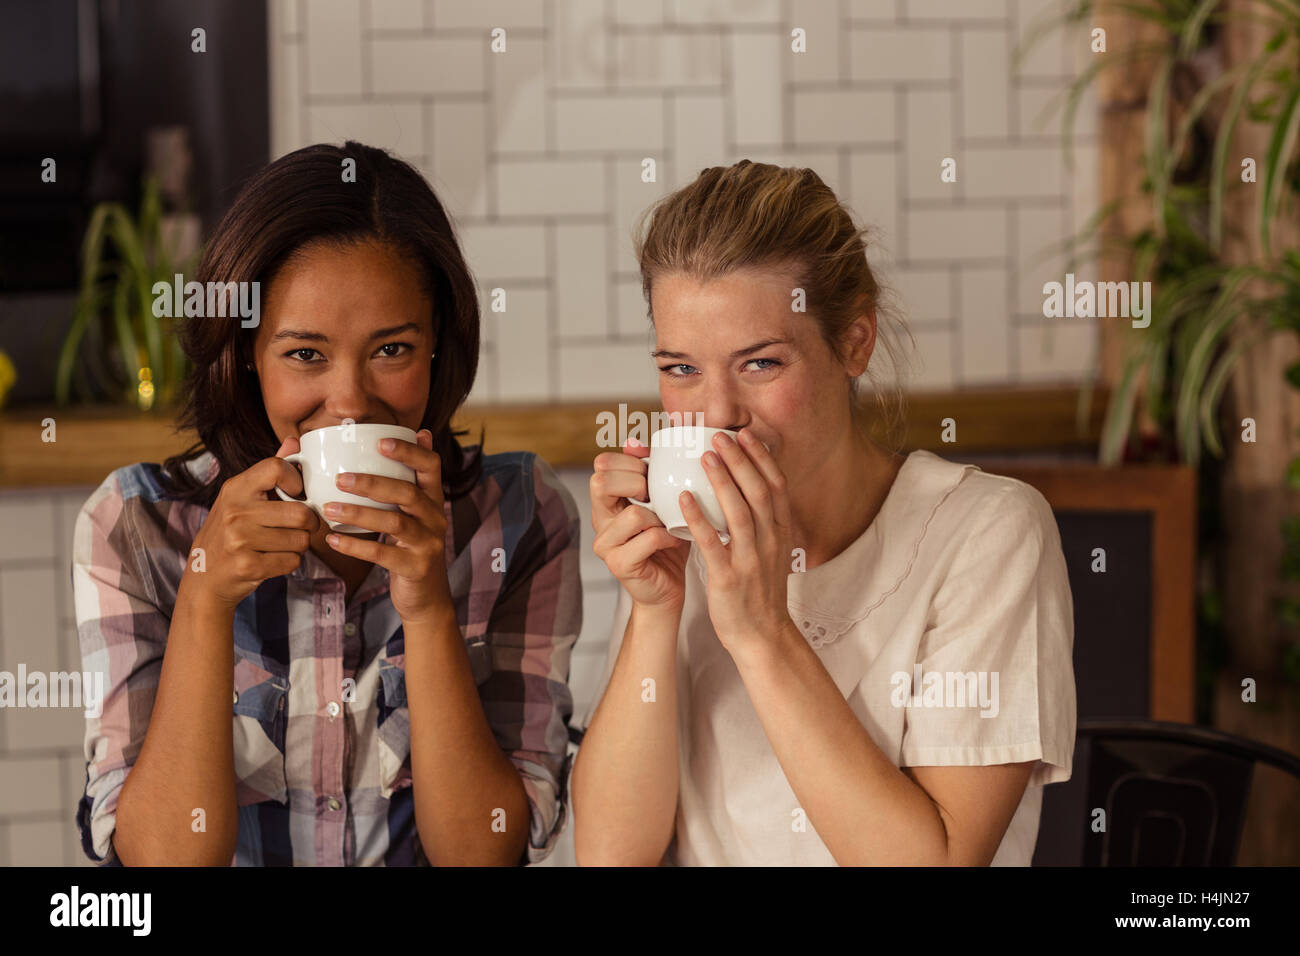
(837, 772)
(471, 808)
(625, 775)
(187, 761)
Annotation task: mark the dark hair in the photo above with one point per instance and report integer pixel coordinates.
(299, 199)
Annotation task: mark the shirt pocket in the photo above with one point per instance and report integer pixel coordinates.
(260, 720)
(394, 720)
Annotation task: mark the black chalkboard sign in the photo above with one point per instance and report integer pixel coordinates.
(1112, 659)
(1134, 622)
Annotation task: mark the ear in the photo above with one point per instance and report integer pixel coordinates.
(859, 341)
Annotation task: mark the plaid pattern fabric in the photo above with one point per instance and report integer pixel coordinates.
(322, 765)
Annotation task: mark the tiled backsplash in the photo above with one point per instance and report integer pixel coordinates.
(537, 153)
(41, 765)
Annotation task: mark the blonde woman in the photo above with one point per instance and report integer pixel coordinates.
(876, 669)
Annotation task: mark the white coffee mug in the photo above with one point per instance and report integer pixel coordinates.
(339, 449)
(674, 467)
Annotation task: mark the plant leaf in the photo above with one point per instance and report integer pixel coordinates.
(1119, 414)
(1156, 161)
(1280, 148)
(1220, 315)
(1193, 26)
(135, 278)
(1221, 144)
(1214, 388)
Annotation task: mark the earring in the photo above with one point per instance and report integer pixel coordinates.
(432, 356)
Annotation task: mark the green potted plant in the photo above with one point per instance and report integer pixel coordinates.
(1207, 311)
(116, 346)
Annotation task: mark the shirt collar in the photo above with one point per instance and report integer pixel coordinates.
(827, 600)
(204, 467)
(313, 568)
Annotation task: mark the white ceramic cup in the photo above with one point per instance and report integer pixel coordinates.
(674, 467)
(330, 452)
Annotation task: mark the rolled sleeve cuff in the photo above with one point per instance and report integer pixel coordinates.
(97, 818)
(546, 810)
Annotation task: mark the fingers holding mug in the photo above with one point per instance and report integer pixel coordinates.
(291, 478)
(617, 478)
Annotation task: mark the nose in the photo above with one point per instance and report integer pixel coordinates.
(722, 407)
(347, 394)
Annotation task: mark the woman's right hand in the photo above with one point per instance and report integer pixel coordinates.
(649, 562)
(247, 538)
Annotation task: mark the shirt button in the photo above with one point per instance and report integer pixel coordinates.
(349, 628)
(332, 708)
(334, 804)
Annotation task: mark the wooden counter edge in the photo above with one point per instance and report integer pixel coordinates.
(89, 443)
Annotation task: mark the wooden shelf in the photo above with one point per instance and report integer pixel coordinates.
(91, 442)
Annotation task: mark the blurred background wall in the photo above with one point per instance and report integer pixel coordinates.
(537, 152)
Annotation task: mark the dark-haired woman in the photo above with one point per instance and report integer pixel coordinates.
(280, 695)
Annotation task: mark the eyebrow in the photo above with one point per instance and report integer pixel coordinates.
(320, 337)
(664, 353)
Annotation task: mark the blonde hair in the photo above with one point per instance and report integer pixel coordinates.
(783, 218)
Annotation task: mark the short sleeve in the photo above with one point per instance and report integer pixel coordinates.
(531, 630)
(993, 681)
(122, 633)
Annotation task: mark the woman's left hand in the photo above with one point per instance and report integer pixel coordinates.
(747, 576)
(413, 537)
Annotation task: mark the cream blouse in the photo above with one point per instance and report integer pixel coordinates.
(958, 586)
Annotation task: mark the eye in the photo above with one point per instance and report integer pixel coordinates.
(772, 363)
(668, 368)
(292, 353)
(395, 345)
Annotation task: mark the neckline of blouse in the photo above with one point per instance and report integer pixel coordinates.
(828, 600)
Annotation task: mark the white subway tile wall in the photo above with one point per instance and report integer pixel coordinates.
(41, 764)
(538, 154)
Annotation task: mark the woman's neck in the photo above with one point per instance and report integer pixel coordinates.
(352, 570)
(841, 500)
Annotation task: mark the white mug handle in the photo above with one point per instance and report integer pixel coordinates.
(294, 459)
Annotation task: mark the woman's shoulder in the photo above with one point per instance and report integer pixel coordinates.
(977, 500)
(523, 487)
(138, 500)
(993, 531)
(146, 480)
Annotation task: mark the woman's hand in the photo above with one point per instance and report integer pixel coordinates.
(747, 577)
(638, 550)
(414, 537)
(247, 538)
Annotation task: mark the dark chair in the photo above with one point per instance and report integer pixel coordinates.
(1174, 794)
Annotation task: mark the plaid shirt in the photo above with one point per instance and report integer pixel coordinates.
(323, 774)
